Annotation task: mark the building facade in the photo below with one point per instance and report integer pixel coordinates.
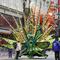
(11, 7)
(15, 8)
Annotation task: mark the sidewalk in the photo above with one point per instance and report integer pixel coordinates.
(50, 57)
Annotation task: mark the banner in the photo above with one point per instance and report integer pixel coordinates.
(58, 5)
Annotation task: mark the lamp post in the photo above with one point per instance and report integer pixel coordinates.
(26, 12)
(24, 5)
(22, 18)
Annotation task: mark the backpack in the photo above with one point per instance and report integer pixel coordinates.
(15, 45)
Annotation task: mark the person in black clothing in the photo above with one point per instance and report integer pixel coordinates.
(10, 53)
(18, 49)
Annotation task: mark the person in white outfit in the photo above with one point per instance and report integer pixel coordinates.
(18, 49)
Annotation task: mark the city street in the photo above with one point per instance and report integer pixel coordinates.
(50, 57)
(29, 28)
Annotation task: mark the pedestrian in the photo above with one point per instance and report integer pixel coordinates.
(18, 49)
(10, 49)
(56, 48)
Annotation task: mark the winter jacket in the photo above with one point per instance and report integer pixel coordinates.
(55, 45)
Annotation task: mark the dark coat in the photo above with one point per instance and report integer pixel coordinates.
(56, 45)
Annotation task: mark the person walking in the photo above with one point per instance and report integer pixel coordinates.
(18, 49)
(56, 48)
(10, 49)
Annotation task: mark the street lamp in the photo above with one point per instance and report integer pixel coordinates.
(24, 5)
(26, 10)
